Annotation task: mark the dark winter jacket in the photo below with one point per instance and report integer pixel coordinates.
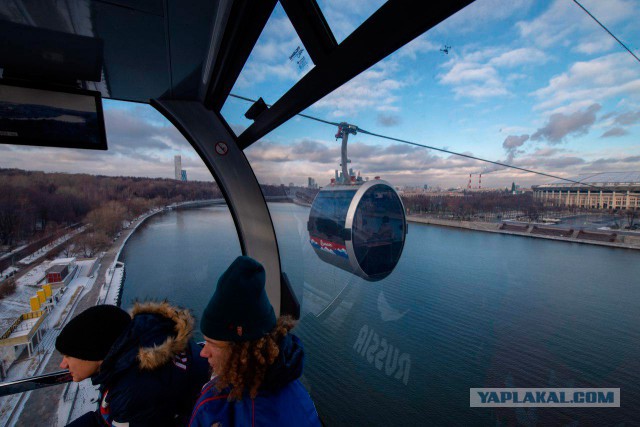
(281, 401)
(153, 372)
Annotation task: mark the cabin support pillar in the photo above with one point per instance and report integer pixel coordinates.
(216, 144)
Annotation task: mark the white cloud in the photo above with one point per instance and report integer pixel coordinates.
(521, 56)
(278, 162)
(483, 13)
(269, 59)
(477, 74)
(565, 24)
(614, 132)
(561, 125)
(464, 72)
(373, 89)
(343, 18)
(554, 25)
(593, 45)
(113, 162)
(591, 81)
(417, 46)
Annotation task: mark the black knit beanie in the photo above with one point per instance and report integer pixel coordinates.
(239, 309)
(90, 335)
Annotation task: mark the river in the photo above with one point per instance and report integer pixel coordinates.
(462, 309)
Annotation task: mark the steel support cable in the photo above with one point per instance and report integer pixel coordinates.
(299, 114)
(442, 150)
(607, 30)
(468, 156)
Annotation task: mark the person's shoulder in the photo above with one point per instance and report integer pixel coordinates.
(211, 392)
(298, 397)
(140, 396)
(212, 406)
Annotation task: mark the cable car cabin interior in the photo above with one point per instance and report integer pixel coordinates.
(398, 327)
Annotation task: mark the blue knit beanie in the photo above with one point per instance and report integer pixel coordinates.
(239, 309)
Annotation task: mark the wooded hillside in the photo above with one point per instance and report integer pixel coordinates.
(36, 202)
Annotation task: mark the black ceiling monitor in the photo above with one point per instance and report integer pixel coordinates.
(51, 117)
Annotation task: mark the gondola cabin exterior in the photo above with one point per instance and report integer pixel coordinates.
(359, 228)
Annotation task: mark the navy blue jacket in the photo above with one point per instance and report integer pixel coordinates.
(153, 372)
(281, 401)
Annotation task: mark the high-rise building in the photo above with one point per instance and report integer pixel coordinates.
(177, 162)
(183, 175)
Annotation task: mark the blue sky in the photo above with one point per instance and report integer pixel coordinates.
(537, 84)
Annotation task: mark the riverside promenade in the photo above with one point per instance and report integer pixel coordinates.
(41, 405)
(625, 241)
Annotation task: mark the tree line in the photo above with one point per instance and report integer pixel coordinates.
(489, 205)
(36, 203)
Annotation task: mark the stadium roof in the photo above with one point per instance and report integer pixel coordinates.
(600, 179)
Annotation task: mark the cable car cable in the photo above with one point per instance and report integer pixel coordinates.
(434, 148)
(472, 157)
(299, 114)
(607, 30)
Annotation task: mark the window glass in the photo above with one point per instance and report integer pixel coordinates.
(143, 221)
(343, 21)
(492, 288)
(378, 231)
(278, 61)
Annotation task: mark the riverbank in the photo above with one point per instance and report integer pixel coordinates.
(106, 277)
(621, 241)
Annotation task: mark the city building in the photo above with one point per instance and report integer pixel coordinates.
(57, 273)
(605, 190)
(177, 163)
(183, 175)
(311, 183)
(61, 270)
(25, 332)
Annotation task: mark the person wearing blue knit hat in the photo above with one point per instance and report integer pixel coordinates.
(256, 362)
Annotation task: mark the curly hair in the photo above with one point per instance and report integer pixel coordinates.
(246, 363)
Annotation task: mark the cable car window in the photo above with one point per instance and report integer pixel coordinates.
(165, 233)
(378, 231)
(328, 213)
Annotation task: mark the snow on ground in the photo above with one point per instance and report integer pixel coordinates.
(79, 399)
(26, 286)
(18, 249)
(7, 272)
(42, 251)
(57, 317)
(113, 284)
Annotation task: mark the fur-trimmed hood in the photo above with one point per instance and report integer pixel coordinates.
(157, 334)
(157, 355)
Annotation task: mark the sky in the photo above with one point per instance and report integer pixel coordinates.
(536, 84)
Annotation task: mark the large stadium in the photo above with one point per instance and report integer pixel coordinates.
(604, 190)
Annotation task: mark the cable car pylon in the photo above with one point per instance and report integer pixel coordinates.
(344, 130)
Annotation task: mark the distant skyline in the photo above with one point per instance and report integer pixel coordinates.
(537, 84)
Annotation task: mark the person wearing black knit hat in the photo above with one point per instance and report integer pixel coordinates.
(82, 349)
(146, 364)
(256, 362)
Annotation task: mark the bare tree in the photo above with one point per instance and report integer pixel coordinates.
(68, 250)
(92, 242)
(7, 287)
(108, 217)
